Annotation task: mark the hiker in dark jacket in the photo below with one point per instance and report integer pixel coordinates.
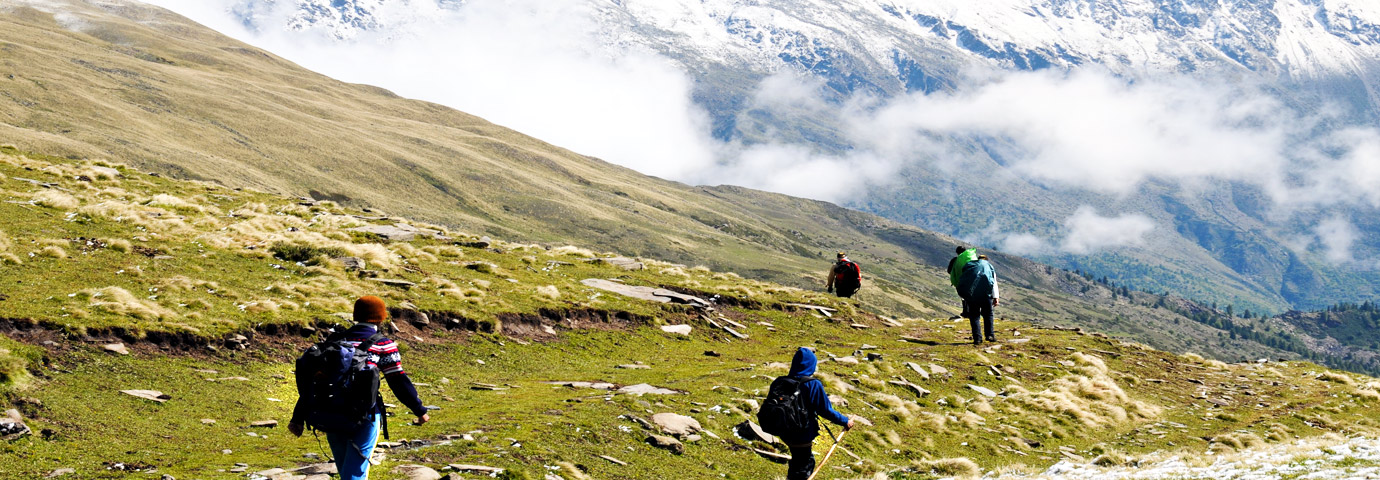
(955, 269)
(802, 457)
(351, 451)
(978, 286)
(845, 277)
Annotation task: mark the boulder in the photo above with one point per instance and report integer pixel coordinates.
(680, 329)
(676, 425)
(352, 264)
(116, 348)
(752, 432)
(12, 425)
(666, 443)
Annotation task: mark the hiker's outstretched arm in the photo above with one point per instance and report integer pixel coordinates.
(402, 387)
(819, 402)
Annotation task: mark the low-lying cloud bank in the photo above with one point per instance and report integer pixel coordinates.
(542, 68)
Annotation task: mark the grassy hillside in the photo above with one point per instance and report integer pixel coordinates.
(215, 290)
(134, 84)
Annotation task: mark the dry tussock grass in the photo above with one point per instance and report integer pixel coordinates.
(549, 291)
(1335, 377)
(570, 250)
(727, 276)
(1092, 398)
(8, 258)
(182, 282)
(1216, 365)
(119, 301)
(408, 251)
(51, 251)
(903, 410)
(5, 242)
(1234, 442)
(949, 467)
(1192, 357)
(55, 199)
(833, 383)
(446, 251)
(674, 272)
(700, 269)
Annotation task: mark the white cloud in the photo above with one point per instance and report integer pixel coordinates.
(1025, 244)
(542, 68)
(1089, 232)
(1337, 237)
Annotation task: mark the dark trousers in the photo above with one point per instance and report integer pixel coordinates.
(964, 304)
(980, 307)
(802, 462)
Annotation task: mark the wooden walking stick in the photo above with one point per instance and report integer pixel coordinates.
(820, 467)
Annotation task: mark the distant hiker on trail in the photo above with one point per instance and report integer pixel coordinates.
(978, 286)
(789, 412)
(845, 278)
(963, 256)
(338, 388)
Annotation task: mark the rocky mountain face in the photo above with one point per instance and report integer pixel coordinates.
(1225, 237)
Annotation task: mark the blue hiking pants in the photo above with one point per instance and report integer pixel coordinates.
(351, 451)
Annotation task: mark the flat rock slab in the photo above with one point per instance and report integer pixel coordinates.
(393, 282)
(849, 360)
(938, 370)
(919, 370)
(644, 389)
(594, 385)
(398, 232)
(653, 294)
(680, 329)
(620, 262)
(116, 348)
(614, 461)
(676, 424)
(154, 395)
(987, 392)
(919, 392)
(475, 469)
(264, 424)
(634, 367)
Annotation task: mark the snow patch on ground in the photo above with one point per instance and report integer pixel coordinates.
(1327, 457)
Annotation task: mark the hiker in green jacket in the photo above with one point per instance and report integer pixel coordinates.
(978, 286)
(963, 256)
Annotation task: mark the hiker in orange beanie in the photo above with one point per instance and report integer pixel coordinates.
(352, 442)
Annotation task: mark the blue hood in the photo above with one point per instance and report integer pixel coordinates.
(804, 362)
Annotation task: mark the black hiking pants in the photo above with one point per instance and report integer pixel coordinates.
(980, 307)
(963, 303)
(802, 462)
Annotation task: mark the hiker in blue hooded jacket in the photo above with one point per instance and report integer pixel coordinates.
(802, 456)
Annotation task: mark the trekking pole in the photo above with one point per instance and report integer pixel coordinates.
(820, 467)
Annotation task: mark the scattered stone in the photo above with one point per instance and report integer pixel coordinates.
(167, 477)
(891, 322)
(874, 357)
(1018, 340)
(773, 456)
(270, 472)
(849, 360)
(919, 391)
(938, 370)
(393, 282)
(680, 329)
(987, 392)
(666, 443)
(644, 389)
(116, 348)
(752, 432)
(352, 264)
(398, 232)
(915, 340)
(485, 386)
(614, 461)
(634, 367)
(208, 421)
(239, 469)
(826, 311)
(676, 425)
(154, 395)
(475, 469)
(919, 370)
(860, 326)
(409, 314)
(418, 472)
(622, 262)
(60, 472)
(263, 424)
(594, 385)
(711, 353)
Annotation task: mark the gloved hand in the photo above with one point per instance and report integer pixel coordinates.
(830, 289)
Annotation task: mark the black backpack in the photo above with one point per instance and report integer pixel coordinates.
(785, 413)
(847, 275)
(339, 384)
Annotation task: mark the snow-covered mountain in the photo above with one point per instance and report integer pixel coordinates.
(1242, 179)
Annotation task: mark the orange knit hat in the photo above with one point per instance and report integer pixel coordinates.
(370, 309)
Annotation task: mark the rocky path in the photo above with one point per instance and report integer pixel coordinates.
(1328, 457)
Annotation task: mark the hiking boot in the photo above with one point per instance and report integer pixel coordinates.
(991, 338)
(977, 341)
